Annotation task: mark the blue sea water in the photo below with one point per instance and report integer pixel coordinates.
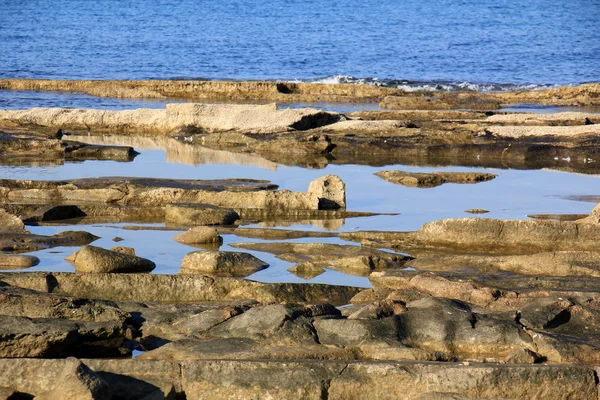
(439, 43)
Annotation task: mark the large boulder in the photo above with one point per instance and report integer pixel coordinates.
(199, 214)
(92, 259)
(224, 263)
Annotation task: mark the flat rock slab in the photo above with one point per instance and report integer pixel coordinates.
(92, 259)
(221, 263)
(25, 242)
(204, 379)
(176, 288)
(199, 214)
(350, 259)
(433, 179)
(208, 117)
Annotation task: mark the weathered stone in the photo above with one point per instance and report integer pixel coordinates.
(224, 263)
(594, 217)
(92, 259)
(24, 242)
(17, 261)
(19, 302)
(199, 235)
(199, 214)
(11, 223)
(433, 179)
(39, 337)
(354, 332)
(177, 288)
(331, 192)
(279, 234)
(123, 250)
(206, 320)
(306, 270)
(77, 381)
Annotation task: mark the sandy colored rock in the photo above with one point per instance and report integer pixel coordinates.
(17, 261)
(42, 337)
(11, 223)
(593, 217)
(561, 118)
(208, 117)
(331, 192)
(77, 381)
(199, 214)
(123, 250)
(519, 131)
(92, 259)
(199, 235)
(306, 270)
(433, 179)
(223, 263)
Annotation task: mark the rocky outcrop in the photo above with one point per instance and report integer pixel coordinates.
(221, 263)
(202, 117)
(78, 381)
(11, 223)
(429, 180)
(92, 259)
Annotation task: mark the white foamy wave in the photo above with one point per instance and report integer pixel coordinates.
(429, 86)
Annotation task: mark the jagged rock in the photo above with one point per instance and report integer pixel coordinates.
(331, 192)
(206, 320)
(433, 179)
(199, 235)
(379, 309)
(306, 270)
(224, 263)
(199, 214)
(42, 337)
(11, 223)
(77, 381)
(17, 261)
(594, 217)
(92, 259)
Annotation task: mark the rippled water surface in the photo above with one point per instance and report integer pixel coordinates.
(538, 41)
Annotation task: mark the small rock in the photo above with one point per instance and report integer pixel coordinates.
(199, 214)
(306, 270)
(94, 259)
(118, 239)
(221, 263)
(17, 261)
(199, 235)
(331, 192)
(477, 211)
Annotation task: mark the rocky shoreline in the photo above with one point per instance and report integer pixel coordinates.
(469, 308)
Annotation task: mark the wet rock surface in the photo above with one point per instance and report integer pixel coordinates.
(92, 259)
(221, 263)
(428, 180)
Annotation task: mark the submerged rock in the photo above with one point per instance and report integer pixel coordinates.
(223, 263)
(306, 270)
(429, 180)
(92, 259)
